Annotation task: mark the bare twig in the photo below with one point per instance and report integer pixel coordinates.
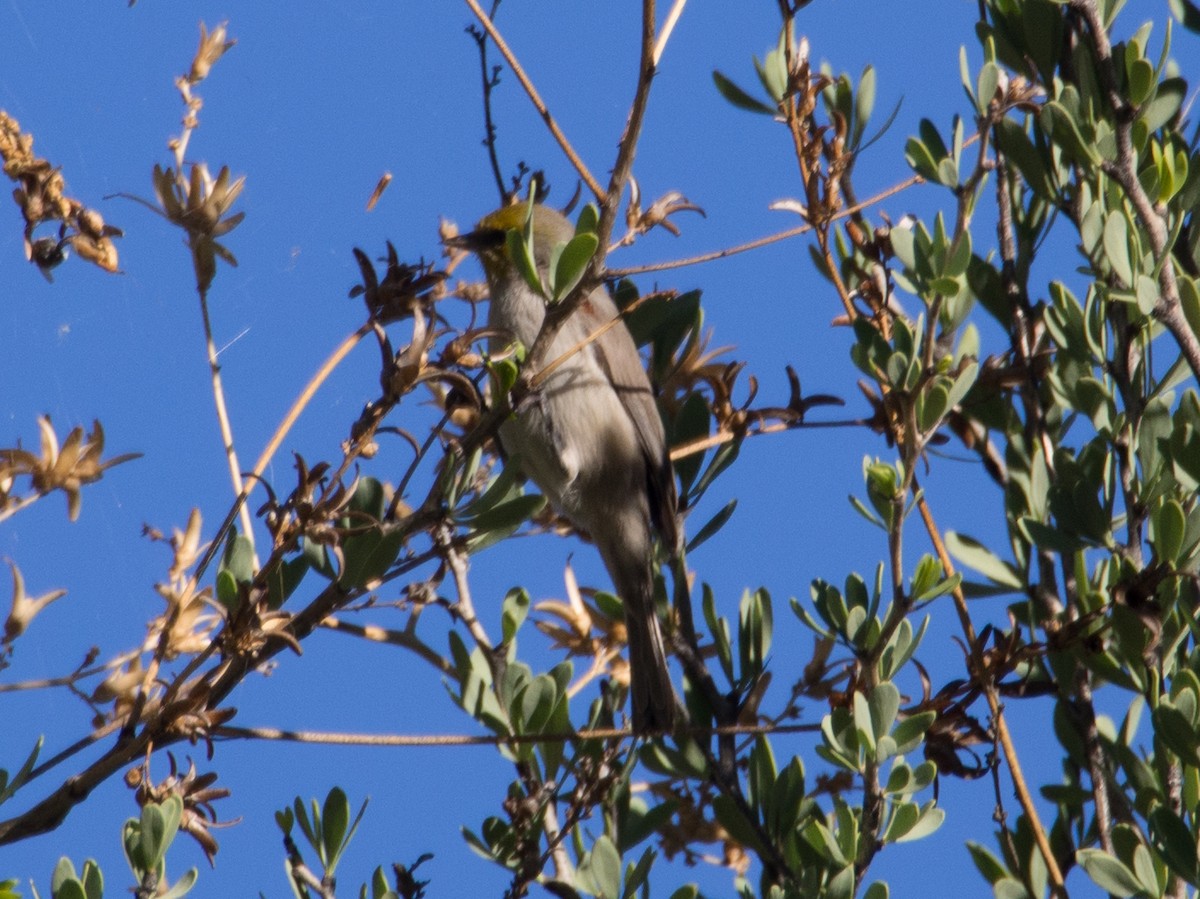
(231, 457)
(394, 637)
(323, 738)
(536, 98)
(627, 147)
(488, 79)
(760, 242)
(281, 431)
(981, 671)
(668, 26)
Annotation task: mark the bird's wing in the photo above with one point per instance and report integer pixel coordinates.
(618, 356)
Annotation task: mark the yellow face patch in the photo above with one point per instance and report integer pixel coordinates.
(510, 218)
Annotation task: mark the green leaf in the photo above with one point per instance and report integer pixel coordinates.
(739, 97)
(635, 875)
(755, 627)
(929, 820)
(1139, 81)
(69, 889)
(1116, 247)
(772, 71)
(1060, 124)
(335, 819)
(863, 724)
(521, 254)
(513, 611)
(182, 886)
(692, 423)
(368, 555)
(496, 524)
(760, 773)
(640, 820)
(903, 242)
(1047, 537)
(9, 787)
(1009, 888)
(985, 87)
(1146, 294)
(284, 578)
(1175, 843)
(157, 828)
(714, 524)
(877, 890)
(904, 818)
(93, 880)
(604, 866)
(925, 578)
(1175, 730)
(719, 628)
(989, 866)
(227, 590)
(909, 732)
(975, 555)
(841, 885)
(306, 826)
(922, 162)
(730, 816)
(63, 871)
(238, 558)
(1028, 158)
(589, 219)
(861, 508)
(931, 406)
(819, 837)
(236, 567)
(864, 103)
(1187, 13)
(572, 263)
(1170, 528)
(884, 703)
(1168, 100)
(1109, 873)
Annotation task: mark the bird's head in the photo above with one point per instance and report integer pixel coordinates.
(489, 240)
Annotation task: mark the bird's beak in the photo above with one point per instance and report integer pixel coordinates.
(478, 241)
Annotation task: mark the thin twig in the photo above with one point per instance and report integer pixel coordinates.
(668, 26)
(1003, 737)
(394, 637)
(538, 103)
(333, 738)
(760, 242)
(67, 679)
(281, 431)
(488, 81)
(465, 606)
(706, 443)
(558, 314)
(627, 146)
(235, 469)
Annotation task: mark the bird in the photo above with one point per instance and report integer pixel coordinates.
(590, 436)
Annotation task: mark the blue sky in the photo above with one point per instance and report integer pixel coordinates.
(315, 102)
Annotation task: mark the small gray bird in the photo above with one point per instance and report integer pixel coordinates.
(591, 439)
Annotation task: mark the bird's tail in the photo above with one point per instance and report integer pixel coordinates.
(652, 695)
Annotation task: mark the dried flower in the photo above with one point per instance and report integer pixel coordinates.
(213, 45)
(67, 468)
(24, 607)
